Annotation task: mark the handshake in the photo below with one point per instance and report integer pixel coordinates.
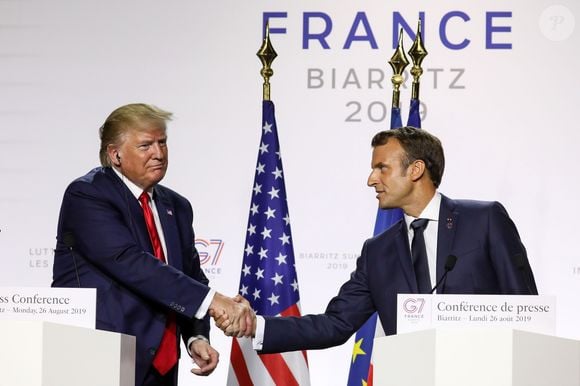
(234, 316)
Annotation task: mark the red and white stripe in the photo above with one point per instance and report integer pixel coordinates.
(379, 332)
(247, 368)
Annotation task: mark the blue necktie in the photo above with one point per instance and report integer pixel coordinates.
(419, 256)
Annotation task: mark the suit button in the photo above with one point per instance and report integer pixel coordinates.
(152, 351)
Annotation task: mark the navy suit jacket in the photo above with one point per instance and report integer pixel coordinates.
(112, 252)
(491, 260)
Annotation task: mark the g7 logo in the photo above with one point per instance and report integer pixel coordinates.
(209, 251)
(413, 306)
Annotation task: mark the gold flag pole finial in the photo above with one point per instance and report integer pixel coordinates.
(267, 54)
(417, 52)
(398, 63)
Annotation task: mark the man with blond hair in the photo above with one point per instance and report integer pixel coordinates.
(131, 238)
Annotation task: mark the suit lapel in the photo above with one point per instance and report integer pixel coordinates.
(134, 212)
(169, 225)
(448, 221)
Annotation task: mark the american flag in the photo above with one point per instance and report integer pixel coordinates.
(268, 278)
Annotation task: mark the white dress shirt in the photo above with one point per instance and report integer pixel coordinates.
(136, 191)
(431, 213)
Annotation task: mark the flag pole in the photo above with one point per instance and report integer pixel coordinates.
(361, 369)
(398, 63)
(267, 54)
(417, 52)
(268, 277)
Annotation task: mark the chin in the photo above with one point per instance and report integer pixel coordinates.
(155, 179)
(386, 206)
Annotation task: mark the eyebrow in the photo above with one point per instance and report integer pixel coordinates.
(379, 164)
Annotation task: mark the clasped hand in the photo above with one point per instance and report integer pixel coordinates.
(234, 316)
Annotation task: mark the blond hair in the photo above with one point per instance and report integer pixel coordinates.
(124, 118)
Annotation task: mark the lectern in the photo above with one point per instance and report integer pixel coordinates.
(476, 357)
(36, 353)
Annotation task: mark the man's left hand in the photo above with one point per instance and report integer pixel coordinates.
(204, 356)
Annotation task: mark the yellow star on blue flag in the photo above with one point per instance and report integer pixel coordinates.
(357, 350)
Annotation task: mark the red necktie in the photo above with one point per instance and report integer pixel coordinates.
(166, 356)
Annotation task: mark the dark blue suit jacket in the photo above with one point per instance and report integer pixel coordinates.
(113, 253)
(491, 260)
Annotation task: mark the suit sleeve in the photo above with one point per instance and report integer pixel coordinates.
(106, 238)
(344, 315)
(508, 254)
(194, 327)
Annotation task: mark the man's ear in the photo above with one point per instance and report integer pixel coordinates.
(418, 169)
(114, 156)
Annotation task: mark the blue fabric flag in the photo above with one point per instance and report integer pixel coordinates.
(361, 366)
(414, 115)
(396, 120)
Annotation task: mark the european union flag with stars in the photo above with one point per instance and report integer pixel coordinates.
(361, 367)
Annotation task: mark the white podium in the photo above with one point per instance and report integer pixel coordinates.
(476, 357)
(36, 353)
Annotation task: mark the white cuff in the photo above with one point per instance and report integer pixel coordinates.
(258, 340)
(202, 310)
(193, 339)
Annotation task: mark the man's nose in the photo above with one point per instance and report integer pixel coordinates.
(157, 150)
(372, 180)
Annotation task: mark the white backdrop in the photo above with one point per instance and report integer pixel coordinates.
(507, 118)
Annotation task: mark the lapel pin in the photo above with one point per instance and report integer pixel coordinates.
(170, 212)
(449, 223)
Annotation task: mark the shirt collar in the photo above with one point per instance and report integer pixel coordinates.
(134, 189)
(431, 211)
